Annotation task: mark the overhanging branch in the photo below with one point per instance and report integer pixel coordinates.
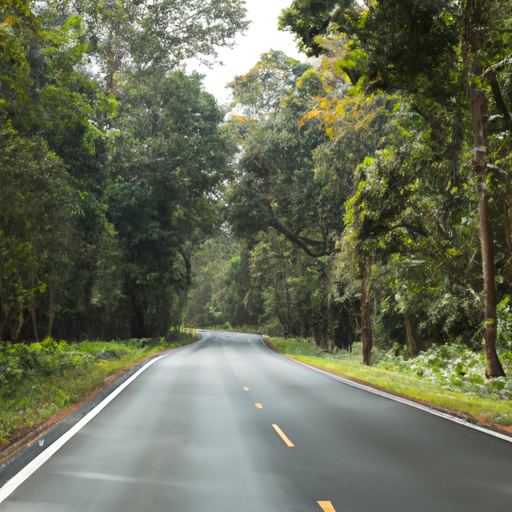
(304, 243)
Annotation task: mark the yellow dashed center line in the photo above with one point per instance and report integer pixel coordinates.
(326, 506)
(283, 436)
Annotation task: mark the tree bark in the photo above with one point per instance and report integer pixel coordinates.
(506, 228)
(136, 315)
(499, 100)
(413, 346)
(325, 247)
(33, 306)
(51, 312)
(479, 107)
(188, 265)
(366, 318)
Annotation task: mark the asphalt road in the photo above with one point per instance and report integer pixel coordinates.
(209, 428)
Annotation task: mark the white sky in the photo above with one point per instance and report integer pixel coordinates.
(261, 36)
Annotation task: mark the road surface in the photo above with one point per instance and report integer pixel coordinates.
(227, 425)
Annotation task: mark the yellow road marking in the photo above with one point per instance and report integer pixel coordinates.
(246, 388)
(259, 406)
(283, 436)
(326, 506)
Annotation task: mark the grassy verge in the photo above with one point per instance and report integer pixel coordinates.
(249, 329)
(39, 381)
(486, 403)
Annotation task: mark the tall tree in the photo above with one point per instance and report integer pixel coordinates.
(147, 37)
(166, 164)
(429, 48)
(290, 213)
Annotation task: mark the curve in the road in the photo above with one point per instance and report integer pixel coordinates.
(185, 435)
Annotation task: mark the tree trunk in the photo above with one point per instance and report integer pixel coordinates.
(51, 313)
(366, 318)
(499, 100)
(413, 346)
(33, 308)
(188, 265)
(506, 228)
(135, 313)
(479, 106)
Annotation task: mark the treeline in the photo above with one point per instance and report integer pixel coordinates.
(372, 200)
(363, 196)
(111, 161)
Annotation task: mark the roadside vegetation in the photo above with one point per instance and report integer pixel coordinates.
(39, 380)
(362, 199)
(227, 327)
(112, 163)
(449, 377)
(372, 200)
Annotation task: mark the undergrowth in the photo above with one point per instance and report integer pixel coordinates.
(39, 380)
(226, 327)
(456, 368)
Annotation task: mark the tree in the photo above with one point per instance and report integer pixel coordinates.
(147, 38)
(414, 46)
(277, 188)
(35, 231)
(259, 93)
(167, 163)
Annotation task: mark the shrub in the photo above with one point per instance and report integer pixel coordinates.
(454, 367)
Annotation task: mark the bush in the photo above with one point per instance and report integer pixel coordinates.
(294, 347)
(273, 327)
(454, 367)
(17, 361)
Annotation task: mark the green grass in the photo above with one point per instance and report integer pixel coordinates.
(46, 379)
(493, 409)
(249, 329)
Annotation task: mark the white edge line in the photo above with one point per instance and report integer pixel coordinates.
(36, 463)
(411, 403)
(405, 401)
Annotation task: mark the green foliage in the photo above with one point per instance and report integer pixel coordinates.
(35, 228)
(21, 361)
(404, 129)
(169, 160)
(311, 18)
(292, 347)
(260, 92)
(18, 28)
(504, 341)
(39, 380)
(148, 38)
(454, 367)
(222, 291)
(281, 207)
(104, 195)
(114, 170)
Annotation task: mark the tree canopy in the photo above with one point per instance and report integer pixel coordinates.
(362, 195)
(383, 170)
(111, 163)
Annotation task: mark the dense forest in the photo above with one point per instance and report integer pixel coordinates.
(111, 162)
(361, 195)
